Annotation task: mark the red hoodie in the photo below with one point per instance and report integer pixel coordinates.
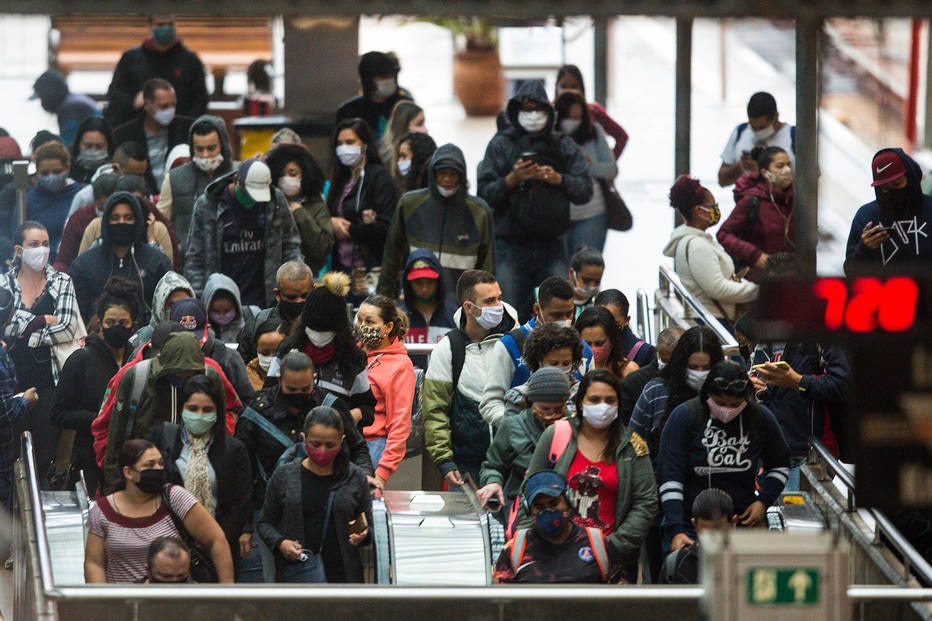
(391, 377)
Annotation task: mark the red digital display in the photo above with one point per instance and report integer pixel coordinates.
(868, 304)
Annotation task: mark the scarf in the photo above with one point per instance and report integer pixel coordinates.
(320, 355)
(197, 473)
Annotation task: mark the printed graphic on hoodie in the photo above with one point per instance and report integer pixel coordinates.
(725, 453)
(904, 237)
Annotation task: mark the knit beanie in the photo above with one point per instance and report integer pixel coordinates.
(548, 384)
(325, 306)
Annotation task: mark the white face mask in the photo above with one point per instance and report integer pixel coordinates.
(208, 164)
(660, 365)
(319, 339)
(264, 362)
(695, 379)
(385, 88)
(36, 258)
(290, 186)
(723, 414)
(532, 121)
(567, 370)
(404, 166)
(491, 316)
(563, 323)
(445, 192)
(349, 154)
(764, 134)
(600, 415)
(568, 126)
(164, 117)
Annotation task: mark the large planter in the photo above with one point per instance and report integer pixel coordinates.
(479, 82)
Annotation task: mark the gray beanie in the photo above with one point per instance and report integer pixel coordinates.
(548, 384)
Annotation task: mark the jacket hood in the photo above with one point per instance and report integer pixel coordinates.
(123, 198)
(913, 181)
(679, 234)
(221, 282)
(372, 64)
(751, 184)
(215, 189)
(171, 281)
(447, 156)
(181, 353)
(51, 89)
(532, 90)
(221, 128)
(426, 256)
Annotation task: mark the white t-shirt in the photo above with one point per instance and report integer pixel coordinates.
(737, 145)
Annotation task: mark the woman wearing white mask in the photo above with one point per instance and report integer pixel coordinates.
(300, 178)
(46, 314)
(607, 468)
(267, 339)
(362, 203)
(721, 439)
(410, 162)
(589, 222)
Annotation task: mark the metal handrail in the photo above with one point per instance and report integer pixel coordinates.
(645, 324)
(42, 542)
(817, 449)
(670, 280)
(420, 349)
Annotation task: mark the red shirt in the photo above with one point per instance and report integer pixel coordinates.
(593, 490)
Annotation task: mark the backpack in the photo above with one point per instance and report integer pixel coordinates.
(596, 542)
(538, 209)
(140, 379)
(515, 345)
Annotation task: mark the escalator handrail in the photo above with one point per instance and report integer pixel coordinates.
(668, 279)
(42, 543)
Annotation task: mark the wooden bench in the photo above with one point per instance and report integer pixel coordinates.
(96, 43)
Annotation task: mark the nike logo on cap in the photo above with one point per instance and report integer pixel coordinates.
(880, 169)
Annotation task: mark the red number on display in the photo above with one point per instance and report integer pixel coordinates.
(889, 306)
(835, 292)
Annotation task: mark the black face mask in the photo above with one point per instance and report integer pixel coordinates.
(745, 351)
(122, 234)
(895, 200)
(116, 336)
(290, 310)
(151, 481)
(302, 401)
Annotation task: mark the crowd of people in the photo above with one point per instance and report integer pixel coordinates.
(219, 346)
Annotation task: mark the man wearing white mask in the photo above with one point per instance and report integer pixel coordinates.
(763, 128)
(529, 177)
(378, 76)
(456, 437)
(210, 159)
(157, 127)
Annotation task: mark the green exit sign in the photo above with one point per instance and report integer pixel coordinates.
(796, 586)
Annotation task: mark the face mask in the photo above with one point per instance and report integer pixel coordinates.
(695, 379)
(385, 88)
(781, 179)
(116, 336)
(208, 164)
(491, 316)
(264, 362)
(567, 370)
(163, 35)
(151, 481)
(587, 293)
(404, 166)
(600, 354)
(568, 126)
(563, 323)
(660, 365)
(289, 310)
(724, 414)
(322, 456)
(369, 336)
(92, 158)
(319, 339)
(764, 134)
(290, 186)
(550, 523)
(445, 192)
(600, 415)
(745, 351)
(223, 319)
(53, 183)
(243, 197)
(164, 117)
(299, 400)
(122, 234)
(532, 121)
(198, 424)
(349, 154)
(36, 258)
(714, 213)
(895, 200)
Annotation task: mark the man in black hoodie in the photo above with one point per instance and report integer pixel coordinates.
(123, 252)
(529, 177)
(378, 74)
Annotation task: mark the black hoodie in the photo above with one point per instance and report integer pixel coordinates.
(143, 264)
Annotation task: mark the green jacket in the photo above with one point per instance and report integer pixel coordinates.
(313, 221)
(636, 503)
(509, 456)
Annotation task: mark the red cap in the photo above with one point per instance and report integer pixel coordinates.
(887, 166)
(422, 269)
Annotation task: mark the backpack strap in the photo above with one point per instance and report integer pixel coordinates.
(751, 217)
(458, 353)
(633, 352)
(597, 543)
(562, 432)
(266, 425)
(514, 345)
(140, 379)
(740, 130)
(329, 400)
(517, 549)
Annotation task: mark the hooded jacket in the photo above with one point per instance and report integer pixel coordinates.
(204, 245)
(775, 229)
(50, 210)
(705, 269)
(71, 108)
(391, 377)
(458, 229)
(168, 284)
(217, 283)
(374, 190)
(183, 185)
(911, 240)
(372, 64)
(143, 264)
(500, 157)
(420, 329)
(135, 131)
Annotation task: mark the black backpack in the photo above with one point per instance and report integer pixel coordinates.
(538, 209)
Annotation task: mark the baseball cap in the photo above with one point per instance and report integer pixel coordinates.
(547, 482)
(887, 166)
(254, 175)
(190, 313)
(422, 269)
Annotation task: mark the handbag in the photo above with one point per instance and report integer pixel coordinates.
(309, 568)
(619, 216)
(62, 351)
(202, 566)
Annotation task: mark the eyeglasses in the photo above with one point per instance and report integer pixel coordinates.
(733, 386)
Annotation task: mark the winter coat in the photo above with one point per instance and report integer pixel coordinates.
(420, 329)
(134, 131)
(51, 211)
(316, 231)
(374, 190)
(217, 283)
(391, 376)
(167, 284)
(509, 455)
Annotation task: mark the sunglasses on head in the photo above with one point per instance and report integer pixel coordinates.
(736, 386)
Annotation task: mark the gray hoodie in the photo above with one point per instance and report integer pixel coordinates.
(170, 282)
(217, 283)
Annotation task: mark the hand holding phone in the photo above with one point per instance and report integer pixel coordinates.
(782, 364)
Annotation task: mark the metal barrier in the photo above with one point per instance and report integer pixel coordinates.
(676, 305)
(643, 318)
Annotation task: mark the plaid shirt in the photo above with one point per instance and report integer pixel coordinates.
(60, 287)
(12, 410)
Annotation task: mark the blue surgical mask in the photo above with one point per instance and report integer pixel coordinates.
(163, 35)
(198, 424)
(53, 183)
(550, 522)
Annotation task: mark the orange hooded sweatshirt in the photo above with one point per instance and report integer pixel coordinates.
(391, 377)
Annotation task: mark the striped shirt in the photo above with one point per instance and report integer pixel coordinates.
(126, 539)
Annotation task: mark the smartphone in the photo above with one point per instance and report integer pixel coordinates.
(528, 155)
(358, 525)
(886, 229)
(783, 364)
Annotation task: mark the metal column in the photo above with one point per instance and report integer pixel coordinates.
(600, 53)
(684, 72)
(808, 31)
